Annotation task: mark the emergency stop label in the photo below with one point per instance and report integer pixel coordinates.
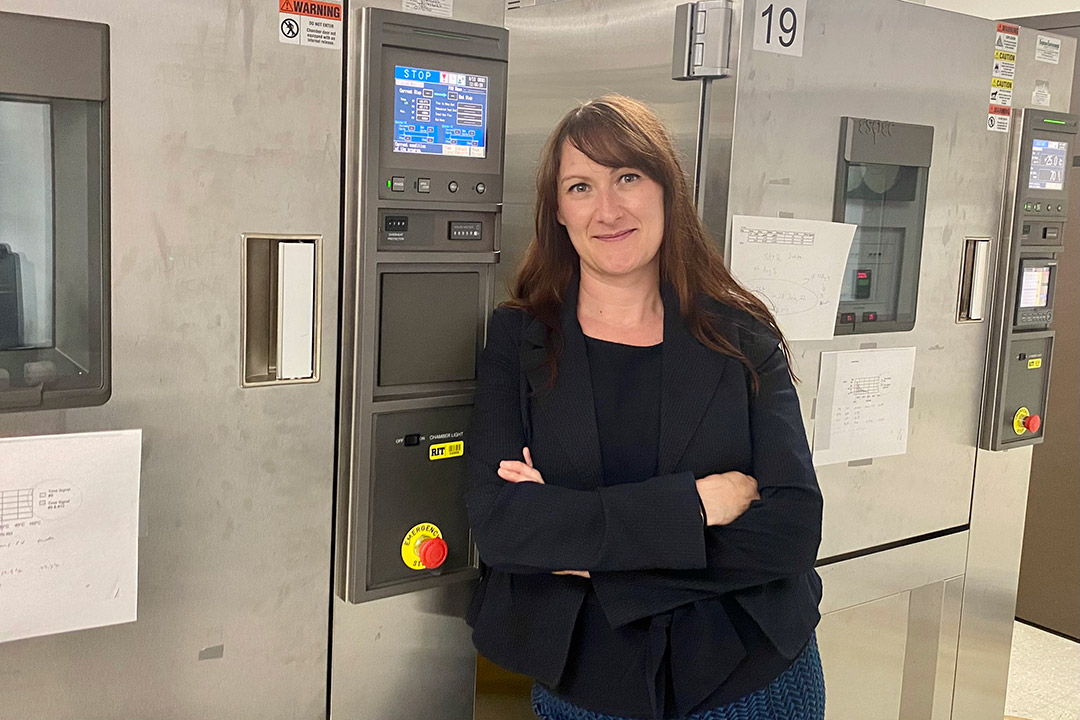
(442, 451)
(315, 24)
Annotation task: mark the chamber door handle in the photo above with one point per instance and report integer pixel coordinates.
(974, 280)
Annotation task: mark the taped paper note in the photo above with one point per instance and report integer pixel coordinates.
(862, 406)
(69, 532)
(796, 267)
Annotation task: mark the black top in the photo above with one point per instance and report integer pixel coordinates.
(626, 672)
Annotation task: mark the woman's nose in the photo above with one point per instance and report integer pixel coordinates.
(608, 207)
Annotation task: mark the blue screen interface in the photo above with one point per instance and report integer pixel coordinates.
(437, 112)
(1048, 164)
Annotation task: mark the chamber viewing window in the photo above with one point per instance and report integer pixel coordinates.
(881, 188)
(54, 279)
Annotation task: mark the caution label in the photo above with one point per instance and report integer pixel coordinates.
(1034, 363)
(442, 451)
(1006, 41)
(316, 24)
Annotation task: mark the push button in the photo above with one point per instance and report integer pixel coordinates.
(397, 184)
(423, 547)
(481, 188)
(452, 186)
(423, 185)
(433, 552)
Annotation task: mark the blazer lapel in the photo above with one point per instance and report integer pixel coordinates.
(691, 373)
(567, 409)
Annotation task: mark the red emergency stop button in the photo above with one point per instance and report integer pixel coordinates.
(433, 552)
(1033, 423)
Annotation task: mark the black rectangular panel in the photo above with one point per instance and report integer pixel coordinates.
(428, 327)
(417, 483)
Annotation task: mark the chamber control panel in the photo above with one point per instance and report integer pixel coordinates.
(1022, 340)
(425, 119)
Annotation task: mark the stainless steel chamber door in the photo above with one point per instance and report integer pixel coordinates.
(217, 130)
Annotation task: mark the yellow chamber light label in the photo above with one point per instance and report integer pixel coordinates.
(1034, 363)
(410, 544)
(443, 451)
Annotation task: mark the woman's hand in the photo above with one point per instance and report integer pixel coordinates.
(726, 496)
(516, 471)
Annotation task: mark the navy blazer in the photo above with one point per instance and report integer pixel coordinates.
(642, 543)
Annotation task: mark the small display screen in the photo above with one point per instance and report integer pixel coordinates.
(1035, 287)
(437, 112)
(1048, 164)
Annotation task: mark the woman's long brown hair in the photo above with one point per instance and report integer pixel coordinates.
(620, 132)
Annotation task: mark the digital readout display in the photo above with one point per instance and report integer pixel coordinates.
(1048, 164)
(1035, 287)
(438, 112)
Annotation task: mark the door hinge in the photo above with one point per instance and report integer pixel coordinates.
(702, 40)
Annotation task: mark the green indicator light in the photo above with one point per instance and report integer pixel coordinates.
(387, 183)
(1053, 122)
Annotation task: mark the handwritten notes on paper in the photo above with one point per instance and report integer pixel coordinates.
(69, 532)
(796, 267)
(862, 405)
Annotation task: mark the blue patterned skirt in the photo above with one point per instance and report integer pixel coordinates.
(798, 694)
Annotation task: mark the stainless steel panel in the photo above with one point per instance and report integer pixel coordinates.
(218, 129)
(862, 653)
(784, 159)
(403, 657)
(997, 534)
(867, 578)
(893, 657)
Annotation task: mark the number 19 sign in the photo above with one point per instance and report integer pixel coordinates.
(779, 26)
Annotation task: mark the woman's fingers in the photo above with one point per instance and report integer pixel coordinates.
(516, 471)
(528, 456)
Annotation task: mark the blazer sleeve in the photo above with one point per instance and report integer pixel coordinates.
(532, 527)
(776, 538)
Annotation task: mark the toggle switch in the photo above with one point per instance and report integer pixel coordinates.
(412, 440)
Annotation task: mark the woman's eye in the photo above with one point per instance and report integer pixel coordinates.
(578, 188)
(629, 178)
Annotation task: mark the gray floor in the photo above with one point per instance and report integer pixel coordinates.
(1044, 677)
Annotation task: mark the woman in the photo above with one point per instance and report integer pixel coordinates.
(641, 491)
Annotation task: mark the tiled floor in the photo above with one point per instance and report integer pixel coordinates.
(1044, 676)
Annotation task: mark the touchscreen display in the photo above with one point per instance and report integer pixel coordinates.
(1035, 287)
(439, 112)
(1048, 164)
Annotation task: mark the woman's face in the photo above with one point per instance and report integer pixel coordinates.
(614, 216)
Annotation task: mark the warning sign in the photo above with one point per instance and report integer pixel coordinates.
(310, 23)
(1006, 41)
(998, 119)
(1008, 37)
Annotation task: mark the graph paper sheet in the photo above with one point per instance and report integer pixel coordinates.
(796, 267)
(862, 405)
(69, 532)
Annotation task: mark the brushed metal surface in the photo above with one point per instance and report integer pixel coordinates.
(867, 578)
(852, 65)
(862, 654)
(217, 129)
(997, 533)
